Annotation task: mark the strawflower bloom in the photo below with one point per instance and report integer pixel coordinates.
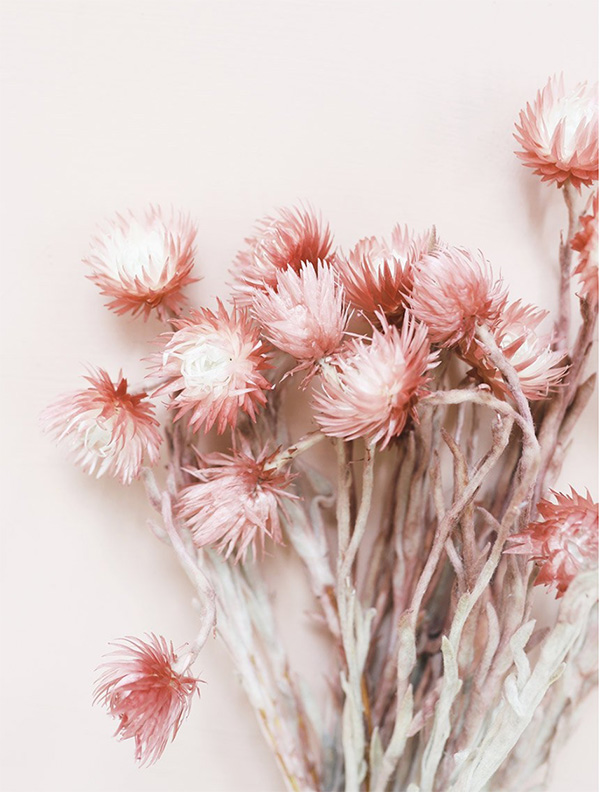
(453, 291)
(106, 429)
(213, 366)
(141, 263)
(559, 133)
(236, 502)
(563, 542)
(146, 686)
(287, 241)
(305, 314)
(377, 275)
(585, 242)
(374, 387)
(531, 355)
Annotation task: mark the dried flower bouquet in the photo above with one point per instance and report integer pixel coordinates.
(425, 517)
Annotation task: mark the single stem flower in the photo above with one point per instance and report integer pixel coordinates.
(142, 263)
(559, 133)
(287, 241)
(148, 688)
(213, 366)
(305, 314)
(236, 502)
(106, 429)
(564, 542)
(372, 388)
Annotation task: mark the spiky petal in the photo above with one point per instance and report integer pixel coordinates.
(559, 133)
(142, 262)
(145, 686)
(295, 236)
(236, 502)
(106, 429)
(373, 388)
(377, 275)
(213, 366)
(531, 355)
(585, 242)
(305, 314)
(453, 291)
(563, 542)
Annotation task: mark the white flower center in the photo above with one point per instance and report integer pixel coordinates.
(139, 253)
(206, 366)
(96, 433)
(572, 109)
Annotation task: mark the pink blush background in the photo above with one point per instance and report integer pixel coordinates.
(376, 113)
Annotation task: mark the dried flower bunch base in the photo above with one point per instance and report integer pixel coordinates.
(446, 411)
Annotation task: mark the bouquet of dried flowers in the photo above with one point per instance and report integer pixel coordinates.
(425, 517)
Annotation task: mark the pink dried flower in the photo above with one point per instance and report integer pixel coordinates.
(559, 133)
(304, 315)
(142, 263)
(564, 542)
(146, 687)
(585, 242)
(283, 242)
(375, 386)
(377, 275)
(105, 428)
(213, 364)
(454, 290)
(236, 502)
(530, 354)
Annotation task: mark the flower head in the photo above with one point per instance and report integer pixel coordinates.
(453, 291)
(105, 428)
(559, 133)
(143, 262)
(377, 275)
(305, 314)
(585, 242)
(236, 502)
(531, 355)
(564, 542)
(375, 386)
(286, 241)
(213, 364)
(146, 687)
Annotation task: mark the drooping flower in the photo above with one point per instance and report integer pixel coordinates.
(148, 688)
(105, 428)
(377, 275)
(141, 263)
(213, 365)
(236, 502)
(287, 241)
(374, 387)
(559, 133)
(531, 355)
(453, 291)
(305, 314)
(585, 242)
(563, 542)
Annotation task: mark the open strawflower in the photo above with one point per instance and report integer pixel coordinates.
(420, 496)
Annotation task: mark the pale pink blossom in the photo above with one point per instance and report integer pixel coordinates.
(305, 314)
(148, 688)
(106, 429)
(213, 366)
(559, 133)
(531, 355)
(142, 262)
(563, 542)
(377, 275)
(585, 242)
(287, 241)
(373, 387)
(454, 290)
(236, 502)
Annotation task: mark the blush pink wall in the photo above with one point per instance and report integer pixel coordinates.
(376, 113)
